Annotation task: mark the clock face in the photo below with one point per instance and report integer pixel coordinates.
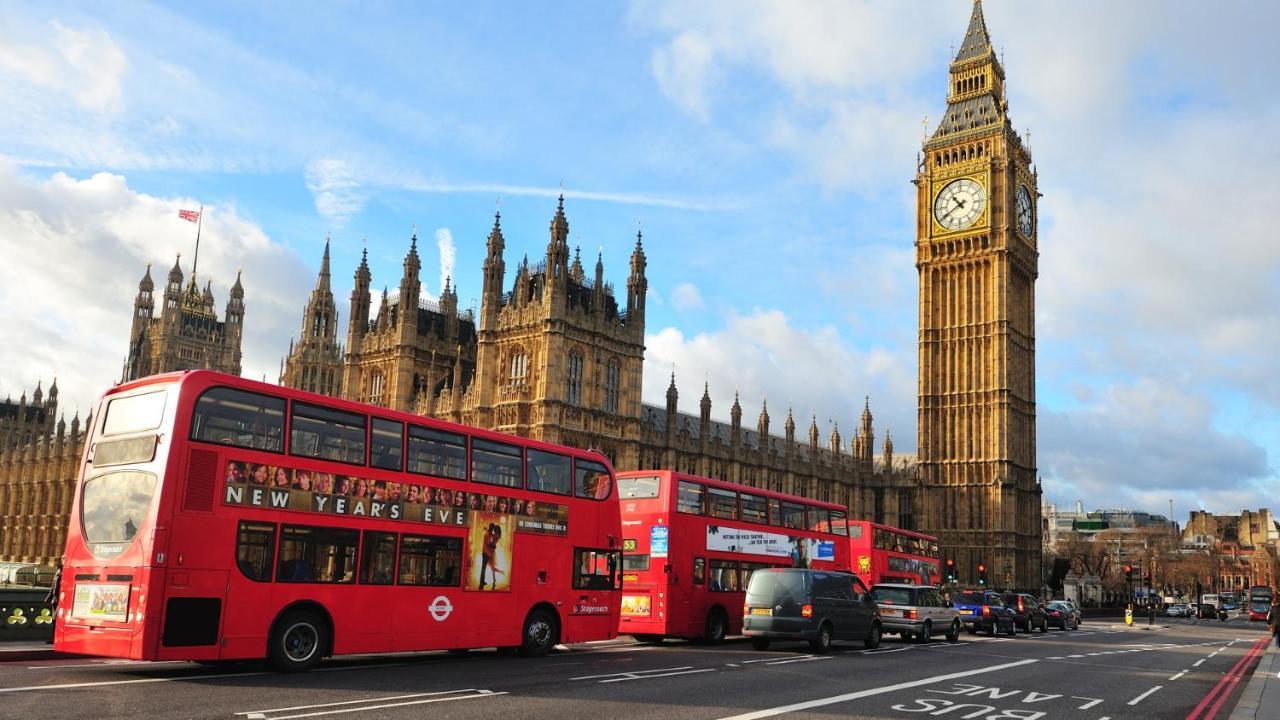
(1024, 211)
(959, 204)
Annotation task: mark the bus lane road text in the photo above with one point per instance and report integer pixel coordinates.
(978, 702)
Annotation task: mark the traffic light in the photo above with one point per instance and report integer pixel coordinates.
(951, 570)
(982, 574)
(1128, 572)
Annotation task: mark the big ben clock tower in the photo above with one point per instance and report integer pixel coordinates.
(977, 260)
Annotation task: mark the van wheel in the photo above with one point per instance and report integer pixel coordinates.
(760, 643)
(953, 635)
(821, 643)
(540, 634)
(298, 641)
(716, 627)
(926, 633)
(873, 639)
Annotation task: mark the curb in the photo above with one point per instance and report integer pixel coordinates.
(1250, 706)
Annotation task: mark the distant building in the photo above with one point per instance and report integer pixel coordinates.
(1078, 524)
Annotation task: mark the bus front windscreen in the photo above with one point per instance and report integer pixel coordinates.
(112, 510)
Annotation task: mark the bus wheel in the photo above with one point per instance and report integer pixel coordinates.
(540, 634)
(760, 643)
(716, 628)
(648, 639)
(298, 641)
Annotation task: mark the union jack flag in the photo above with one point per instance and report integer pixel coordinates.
(189, 215)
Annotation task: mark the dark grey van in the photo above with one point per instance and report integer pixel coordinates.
(813, 605)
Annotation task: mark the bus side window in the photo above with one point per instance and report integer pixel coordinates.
(496, 463)
(593, 480)
(699, 571)
(548, 472)
(386, 444)
(378, 558)
(255, 549)
(327, 434)
(243, 419)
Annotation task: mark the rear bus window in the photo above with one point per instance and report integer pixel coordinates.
(593, 480)
(548, 472)
(638, 488)
(243, 419)
(134, 413)
(690, 498)
(839, 522)
(430, 560)
(317, 554)
(386, 444)
(596, 569)
(631, 561)
(437, 453)
(255, 549)
(496, 463)
(327, 434)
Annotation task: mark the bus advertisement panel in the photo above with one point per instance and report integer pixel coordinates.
(218, 518)
(885, 554)
(690, 545)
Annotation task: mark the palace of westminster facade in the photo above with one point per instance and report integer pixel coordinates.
(557, 355)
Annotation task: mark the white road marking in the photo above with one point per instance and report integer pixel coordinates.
(629, 678)
(138, 681)
(1175, 677)
(1144, 695)
(1197, 663)
(821, 702)
(260, 713)
(1215, 652)
(108, 664)
(811, 658)
(477, 694)
(609, 675)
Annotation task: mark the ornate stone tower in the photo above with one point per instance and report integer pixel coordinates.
(413, 350)
(315, 360)
(977, 261)
(557, 358)
(188, 334)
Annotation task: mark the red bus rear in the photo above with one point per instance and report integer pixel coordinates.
(1259, 602)
(690, 545)
(217, 518)
(884, 554)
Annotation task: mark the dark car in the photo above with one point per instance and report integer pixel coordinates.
(1027, 612)
(812, 605)
(1062, 615)
(984, 611)
(1209, 611)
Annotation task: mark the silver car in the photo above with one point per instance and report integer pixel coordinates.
(916, 611)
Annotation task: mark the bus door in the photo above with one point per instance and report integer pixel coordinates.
(249, 603)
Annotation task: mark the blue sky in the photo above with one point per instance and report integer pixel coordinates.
(765, 148)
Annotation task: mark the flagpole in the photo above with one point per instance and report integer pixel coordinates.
(196, 260)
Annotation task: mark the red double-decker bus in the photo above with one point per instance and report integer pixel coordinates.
(885, 554)
(217, 518)
(690, 545)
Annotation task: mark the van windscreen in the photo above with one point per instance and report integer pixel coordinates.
(772, 587)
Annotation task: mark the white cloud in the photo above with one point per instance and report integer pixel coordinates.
(762, 355)
(82, 245)
(335, 188)
(85, 65)
(681, 70)
(448, 254)
(686, 296)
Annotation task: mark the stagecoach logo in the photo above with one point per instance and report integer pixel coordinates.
(864, 564)
(589, 609)
(440, 608)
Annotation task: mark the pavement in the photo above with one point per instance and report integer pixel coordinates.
(1181, 671)
(1261, 697)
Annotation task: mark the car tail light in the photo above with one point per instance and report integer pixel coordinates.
(986, 610)
(806, 611)
(1055, 613)
(910, 614)
(746, 608)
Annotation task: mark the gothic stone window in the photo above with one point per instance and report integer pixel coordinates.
(905, 519)
(573, 391)
(518, 368)
(612, 379)
(377, 387)
(879, 506)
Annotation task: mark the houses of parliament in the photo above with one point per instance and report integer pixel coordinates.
(556, 352)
